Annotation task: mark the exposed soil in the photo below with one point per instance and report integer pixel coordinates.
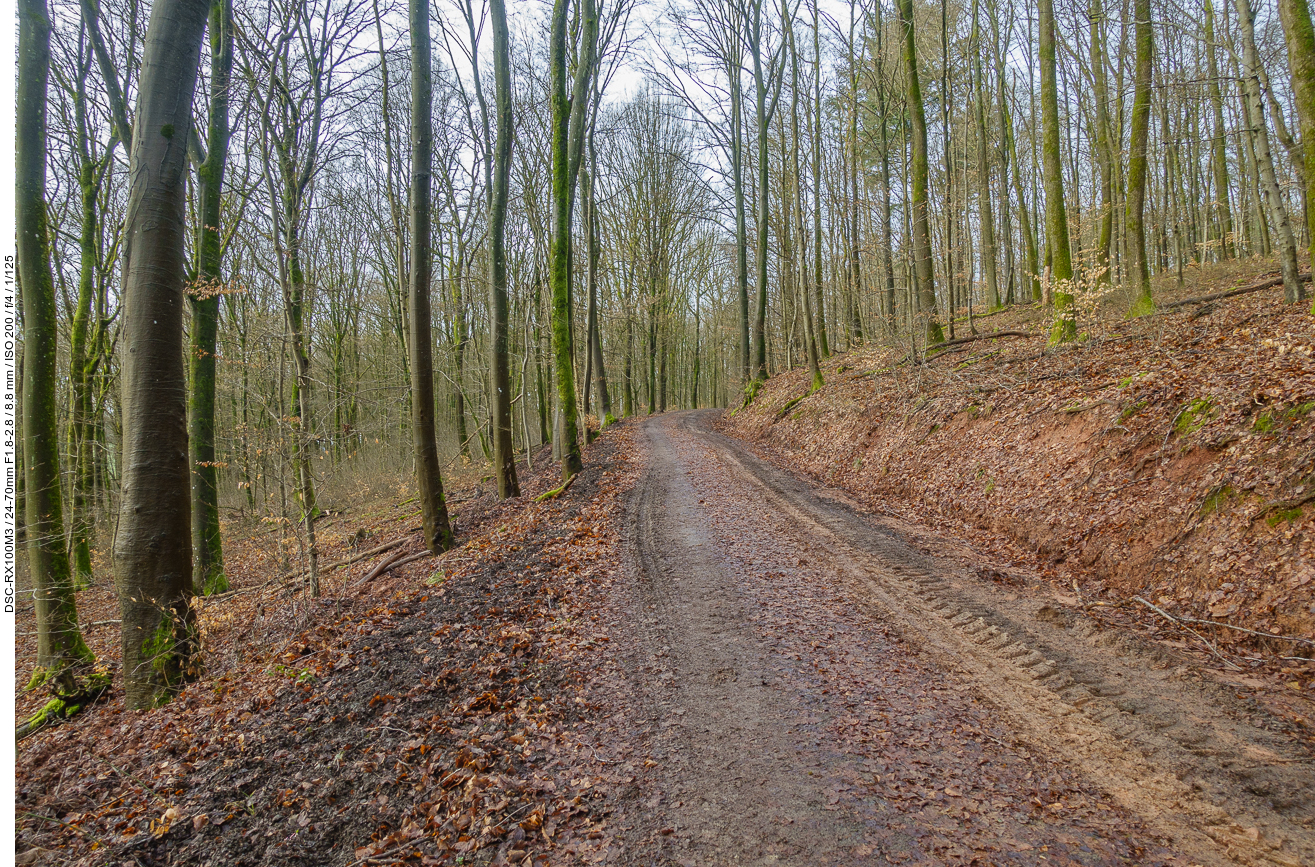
(1170, 457)
(815, 689)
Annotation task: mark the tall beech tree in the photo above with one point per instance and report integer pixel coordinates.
(504, 456)
(923, 267)
(60, 648)
(568, 123)
(1137, 158)
(153, 544)
(207, 545)
(437, 526)
(1061, 259)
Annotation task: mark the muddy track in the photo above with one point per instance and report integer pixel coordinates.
(741, 720)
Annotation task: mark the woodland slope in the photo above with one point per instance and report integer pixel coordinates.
(1170, 458)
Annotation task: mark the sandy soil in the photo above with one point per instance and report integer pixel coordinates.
(814, 688)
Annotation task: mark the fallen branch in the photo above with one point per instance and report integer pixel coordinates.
(1232, 293)
(355, 558)
(556, 492)
(384, 566)
(975, 337)
(1255, 632)
(1174, 620)
(392, 563)
(1074, 410)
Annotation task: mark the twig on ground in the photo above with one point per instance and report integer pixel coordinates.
(1174, 620)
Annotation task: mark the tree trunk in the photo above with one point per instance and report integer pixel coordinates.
(1300, 37)
(504, 455)
(153, 544)
(1137, 159)
(1061, 270)
(437, 527)
(1103, 146)
(1218, 151)
(567, 133)
(59, 641)
(207, 547)
(984, 174)
(1293, 289)
(823, 345)
(922, 261)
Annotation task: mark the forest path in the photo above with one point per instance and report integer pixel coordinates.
(815, 690)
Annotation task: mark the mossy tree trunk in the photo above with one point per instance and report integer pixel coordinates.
(1299, 34)
(1061, 267)
(568, 120)
(1140, 276)
(207, 545)
(59, 642)
(85, 336)
(924, 271)
(153, 545)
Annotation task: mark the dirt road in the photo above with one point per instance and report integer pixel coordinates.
(817, 691)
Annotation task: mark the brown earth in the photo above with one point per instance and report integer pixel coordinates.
(813, 688)
(1170, 457)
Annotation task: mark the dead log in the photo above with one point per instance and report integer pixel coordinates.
(1233, 293)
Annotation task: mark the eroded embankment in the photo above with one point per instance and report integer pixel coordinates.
(1171, 458)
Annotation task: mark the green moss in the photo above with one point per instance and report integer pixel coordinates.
(1144, 307)
(1215, 499)
(751, 390)
(167, 130)
(1130, 411)
(1301, 410)
(84, 691)
(1281, 515)
(167, 658)
(609, 419)
(1194, 416)
(1263, 424)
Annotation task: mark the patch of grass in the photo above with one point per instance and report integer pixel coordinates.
(1264, 423)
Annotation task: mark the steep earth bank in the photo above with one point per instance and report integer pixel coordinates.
(1170, 458)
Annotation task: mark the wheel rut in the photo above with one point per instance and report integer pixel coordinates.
(819, 691)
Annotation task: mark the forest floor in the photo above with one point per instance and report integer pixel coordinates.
(869, 627)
